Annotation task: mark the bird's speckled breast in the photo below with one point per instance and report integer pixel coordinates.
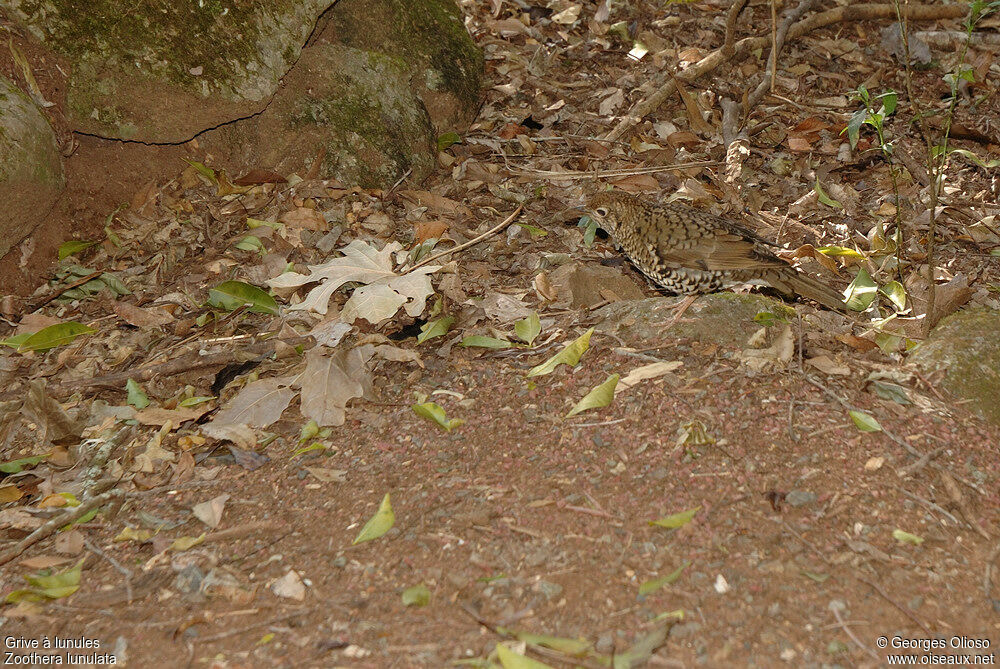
(682, 281)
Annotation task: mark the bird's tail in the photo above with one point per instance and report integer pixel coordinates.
(795, 282)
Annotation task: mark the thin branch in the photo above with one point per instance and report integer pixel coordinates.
(745, 46)
(472, 242)
(53, 524)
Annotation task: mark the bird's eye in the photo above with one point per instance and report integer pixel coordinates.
(601, 211)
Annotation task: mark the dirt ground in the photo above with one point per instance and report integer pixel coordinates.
(810, 542)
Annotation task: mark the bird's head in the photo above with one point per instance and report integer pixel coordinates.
(607, 208)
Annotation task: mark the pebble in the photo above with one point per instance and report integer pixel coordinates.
(799, 498)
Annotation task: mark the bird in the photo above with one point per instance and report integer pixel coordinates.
(688, 251)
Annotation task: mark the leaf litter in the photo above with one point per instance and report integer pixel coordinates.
(518, 507)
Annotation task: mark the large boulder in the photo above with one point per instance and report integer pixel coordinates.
(965, 348)
(355, 110)
(445, 65)
(163, 71)
(726, 318)
(31, 172)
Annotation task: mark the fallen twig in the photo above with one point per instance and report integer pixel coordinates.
(53, 524)
(901, 442)
(749, 44)
(124, 571)
(472, 242)
(181, 364)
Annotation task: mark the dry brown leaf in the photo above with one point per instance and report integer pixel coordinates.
(331, 380)
(141, 317)
(44, 562)
(683, 138)
(695, 119)
(638, 183)
(259, 404)
(306, 218)
(425, 230)
(160, 417)
(435, 203)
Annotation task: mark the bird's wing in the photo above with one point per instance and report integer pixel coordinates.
(702, 241)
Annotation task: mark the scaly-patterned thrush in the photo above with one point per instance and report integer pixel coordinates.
(689, 251)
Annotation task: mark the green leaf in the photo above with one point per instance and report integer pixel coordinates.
(673, 521)
(49, 586)
(379, 524)
(66, 249)
(447, 139)
(589, 226)
(206, 172)
(136, 395)
(256, 223)
(896, 293)
(16, 466)
(861, 293)
(431, 411)
(315, 446)
(231, 295)
(195, 401)
(435, 328)
(528, 328)
(479, 341)
(889, 100)
(644, 647)
(768, 318)
(986, 165)
(907, 538)
(16, 340)
(834, 251)
(54, 335)
(864, 421)
(891, 391)
(251, 243)
(533, 230)
(853, 128)
(826, 199)
(308, 431)
(648, 587)
(600, 396)
(418, 595)
(572, 647)
(511, 660)
(570, 355)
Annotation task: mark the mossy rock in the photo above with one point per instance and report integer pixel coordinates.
(726, 319)
(356, 109)
(31, 171)
(966, 347)
(163, 71)
(429, 37)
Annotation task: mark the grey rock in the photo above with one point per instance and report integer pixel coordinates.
(799, 498)
(966, 348)
(31, 172)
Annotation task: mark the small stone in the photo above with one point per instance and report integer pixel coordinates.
(797, 498)
(685, 630)
(605, 643)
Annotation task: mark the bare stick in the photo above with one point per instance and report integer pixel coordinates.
(472, 242)
(713, 60)
(847, 630)
(731, 16)
(124, 571)
(247, 628)
(909, 449)
(53, 524)
(183, 363)
(778, 42)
